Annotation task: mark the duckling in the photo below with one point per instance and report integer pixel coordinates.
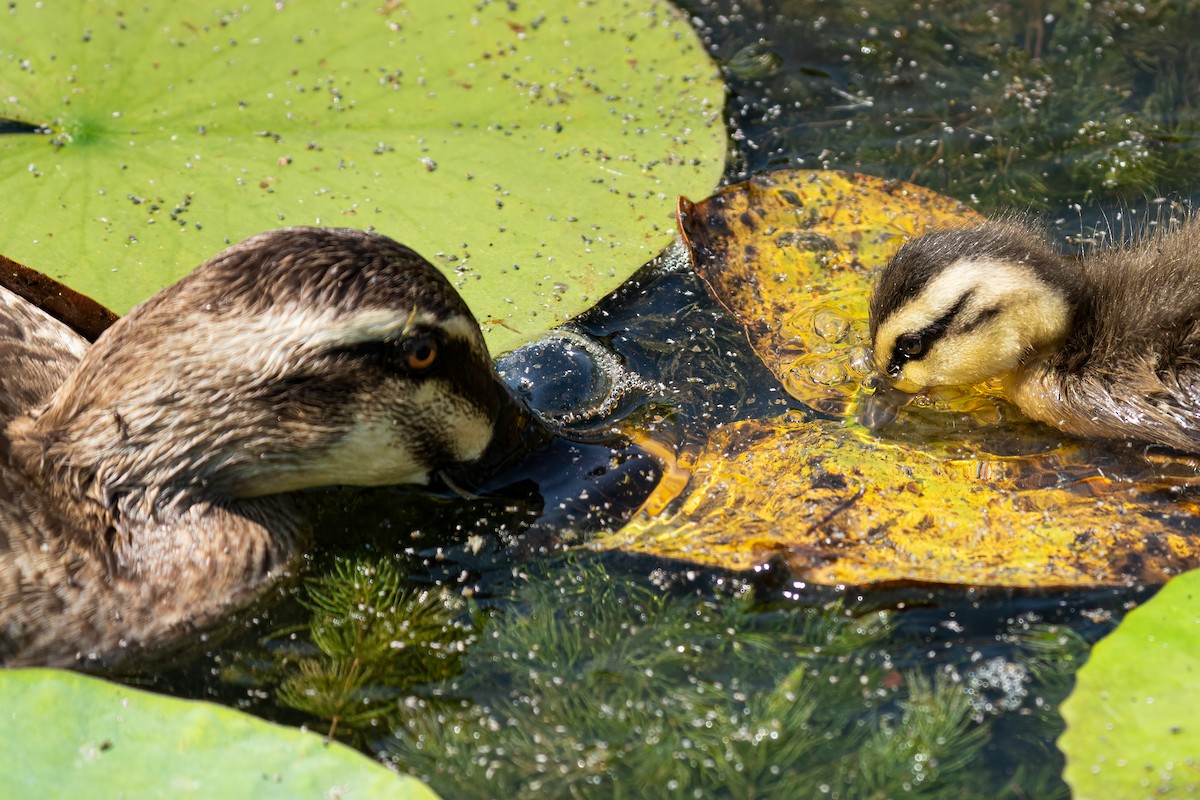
(147, 481)
(1104, 346)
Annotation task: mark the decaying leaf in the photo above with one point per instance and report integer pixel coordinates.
(791, 255)
(960, 491)
(840, 506)
(82, 314)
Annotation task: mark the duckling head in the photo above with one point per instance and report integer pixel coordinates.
(298, 358)
(960, 306)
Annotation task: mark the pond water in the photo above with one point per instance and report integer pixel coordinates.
(456, 640)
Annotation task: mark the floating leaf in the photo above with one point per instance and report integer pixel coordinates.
(1132, 730)
(791, 255)
(842, 508)
(68, 735)
(534, 152)
(963, 491)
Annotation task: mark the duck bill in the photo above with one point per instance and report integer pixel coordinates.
(517, 432)
(881, 409)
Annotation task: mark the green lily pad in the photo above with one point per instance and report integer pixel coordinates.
(69, 735)
(1132, 729)
(533, 151)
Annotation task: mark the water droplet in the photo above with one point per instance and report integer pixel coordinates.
(860, 361)
(830, 326)
(827, 373)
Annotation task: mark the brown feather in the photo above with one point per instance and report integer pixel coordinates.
(144, 479)
(1127, 364)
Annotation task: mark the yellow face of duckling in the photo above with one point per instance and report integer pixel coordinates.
(961, 306)
(298, 358)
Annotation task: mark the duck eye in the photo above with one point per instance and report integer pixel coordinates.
(910, 345)
(420, 352)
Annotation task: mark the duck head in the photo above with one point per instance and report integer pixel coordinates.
(960, 306)
(298, 358)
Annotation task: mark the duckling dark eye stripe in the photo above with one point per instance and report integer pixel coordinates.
(929, 334)
(980, 318)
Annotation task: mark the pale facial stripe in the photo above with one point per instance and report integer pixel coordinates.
(378, 324)
(924, 338)
(266, 344)
(986, 281)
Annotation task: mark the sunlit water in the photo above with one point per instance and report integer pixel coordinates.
(661, 357)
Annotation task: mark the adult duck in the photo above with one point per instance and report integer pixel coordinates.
(147, 480)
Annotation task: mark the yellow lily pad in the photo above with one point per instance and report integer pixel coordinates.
(791, 254)
(841, 507)
(960, 490)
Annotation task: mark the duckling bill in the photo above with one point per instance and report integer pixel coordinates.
(146, 480)
(1104, 346)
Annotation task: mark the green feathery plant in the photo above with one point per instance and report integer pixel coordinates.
(376, 638)
(582, 685)
(592, 687)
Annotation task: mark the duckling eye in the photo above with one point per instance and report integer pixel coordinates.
(420, 352)
(911, 345)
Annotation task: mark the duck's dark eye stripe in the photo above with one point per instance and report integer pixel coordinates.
(415, 354)
(378, 351)
(914, 346)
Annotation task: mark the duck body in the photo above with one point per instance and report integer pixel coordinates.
(147, 480)
(1103, 346)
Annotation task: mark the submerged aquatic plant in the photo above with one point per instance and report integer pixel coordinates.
(376, 638)
(1041, 104)
(581, 684)
(593, 685)
(586, 685)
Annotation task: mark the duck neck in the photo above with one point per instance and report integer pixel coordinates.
(161, 530)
